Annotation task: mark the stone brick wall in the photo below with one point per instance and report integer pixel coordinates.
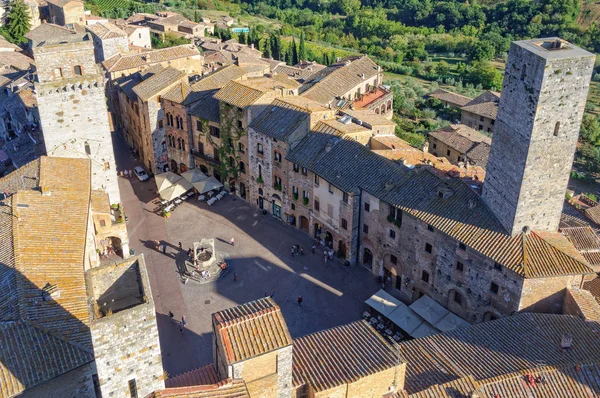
(74, 384)
(232, 134)
(378, 384)
(535, 135)
(438, 148)
(75, 124)
(178, 156)
(106, 48)
(477, 122)
(70, 13)
(126, 344)
(57, 62)
(547, 294)
(444, 280)
(206, 160)
(154, 138)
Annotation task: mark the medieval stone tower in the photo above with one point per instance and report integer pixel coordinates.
(541, 108)
(72, 107)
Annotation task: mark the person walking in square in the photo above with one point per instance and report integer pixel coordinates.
(299, 301)
(232, 242)
(180, 246)
(164, 247)
(183, 321)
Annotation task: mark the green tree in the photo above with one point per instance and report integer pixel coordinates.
(267, 51)
(482, 72)
(18, 22)
(481, 50)
(276, 49)
(289, 55)
(294, 51)
(302, 49)
(590, 130)
(242, 38)
(442, 68)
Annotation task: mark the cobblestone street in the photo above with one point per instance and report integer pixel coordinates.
(333, 294)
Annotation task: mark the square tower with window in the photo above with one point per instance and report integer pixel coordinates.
(72, 106)
(543, 99)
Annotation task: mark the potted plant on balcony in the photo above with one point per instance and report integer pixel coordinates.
(166, 214)
(259, 180)
(305, 201)
(295, 195)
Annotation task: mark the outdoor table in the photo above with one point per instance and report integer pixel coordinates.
(366, 314)
(169, 207)
(178, 201)
(201, 197)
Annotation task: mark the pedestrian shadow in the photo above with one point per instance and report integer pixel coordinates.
(223, 240)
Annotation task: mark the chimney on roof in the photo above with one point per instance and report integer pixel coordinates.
(526, 230)
(252, 46)
(472, 203)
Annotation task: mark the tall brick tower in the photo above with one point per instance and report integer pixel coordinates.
(72, 106)
(541, 108)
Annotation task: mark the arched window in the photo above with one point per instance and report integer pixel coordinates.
(523, 72)
(182, 144)
(259, 171)
(88, 151)
(179, 143)
(164, 145)
(382, 108)
(556, 129)
(242, 167)
(102, 223)
(377, 111)
(231, 162)
(241, 147)
(168, 117)
(77, 70)
(260, 191)
(389, 105)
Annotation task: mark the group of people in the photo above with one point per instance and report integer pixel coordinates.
(182, 324)
(108, 250)
(127, 173)
(297, 250)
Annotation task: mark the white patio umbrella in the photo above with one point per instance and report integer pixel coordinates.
(165, 180)
(194, 175)
(207, 185)
(175, 190)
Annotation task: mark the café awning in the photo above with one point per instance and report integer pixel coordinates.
(165, 180)
(175, 190)
(383, 302)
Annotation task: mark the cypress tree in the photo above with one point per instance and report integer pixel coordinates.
(276, 47)
(294, 51)
(302, 49)
(19, 22)
(267, 51)
(289, 56)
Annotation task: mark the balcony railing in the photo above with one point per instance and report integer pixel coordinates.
(205, 156)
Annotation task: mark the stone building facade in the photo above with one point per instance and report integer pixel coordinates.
(543, 99)
(123, 328)
(66, 12)
(108, 40)
(262, 359)
(72, 108)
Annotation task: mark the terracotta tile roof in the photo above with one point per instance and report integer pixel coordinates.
(106, 30)
(206, 107)
(121, 61)
(224, 389)
(30, 356)
(178, 93)
(583, 238)
(450, 97)
(47, 31)
(491, 350)
(219, 78)
(15, 60)
(159, 82)
(41, 250)
(567, 382)
(465, 217)
(593, 214)
(459, 388)
(293, 72)
(460, 137)
(281, 120)
(593, 286)
(339, 78)
(62, 3)
(485, 105)
(201, 376)
(341, 355)
(243, 93)
(251, 329)
(587, 304)
(369, 117)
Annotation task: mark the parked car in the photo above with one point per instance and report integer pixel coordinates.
(140, 173)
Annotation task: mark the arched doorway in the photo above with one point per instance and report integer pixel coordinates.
(183, 167)
(367, 258)
(174, 168)
(304, 224)
(276, 206)
(328, 239)
(317, 231)
(242, 190)
(341, 249)
(204, 169)
(112, 245)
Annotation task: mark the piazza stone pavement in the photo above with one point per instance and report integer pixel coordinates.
(332, 293)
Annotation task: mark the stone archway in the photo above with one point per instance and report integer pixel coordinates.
(342, 249)
(328, 239)
(367, 258)
(304, 224)
(112, 245)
